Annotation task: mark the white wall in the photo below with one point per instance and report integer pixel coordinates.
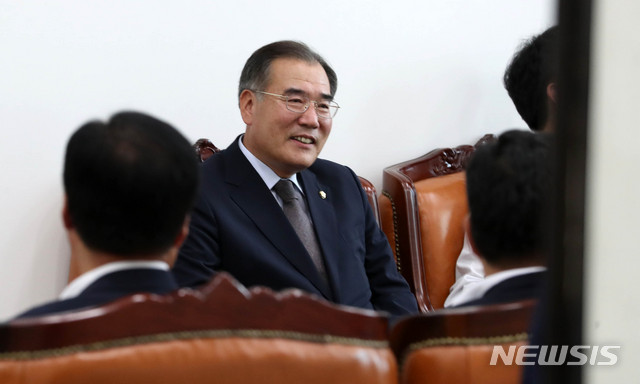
(612, 305)
(413, 75)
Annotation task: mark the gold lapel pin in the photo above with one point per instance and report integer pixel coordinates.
(322, 195)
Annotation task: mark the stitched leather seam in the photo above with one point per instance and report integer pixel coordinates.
(468, 341)
(395, 230)
(462, 341)
(189, 335)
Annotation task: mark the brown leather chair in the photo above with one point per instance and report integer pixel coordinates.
(455, 346)
(372, 196)
(222, 333)
(422, 207)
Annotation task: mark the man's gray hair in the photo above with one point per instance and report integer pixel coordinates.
(255, 73)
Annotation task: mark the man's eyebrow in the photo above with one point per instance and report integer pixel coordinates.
(296, 91)
(327, 97)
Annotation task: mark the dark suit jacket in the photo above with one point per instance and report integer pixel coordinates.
(111, 287)
(517, 288)
(237, 226)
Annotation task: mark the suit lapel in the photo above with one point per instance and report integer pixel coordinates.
(251, 194)
(325, 223)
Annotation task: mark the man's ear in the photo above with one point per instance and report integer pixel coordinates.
(552, 92)
(66, 217)
(182, 235)
(247, 104)
(172, 254)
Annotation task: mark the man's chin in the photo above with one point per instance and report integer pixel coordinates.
(300, 165)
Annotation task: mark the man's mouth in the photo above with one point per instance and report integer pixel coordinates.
(304, 140)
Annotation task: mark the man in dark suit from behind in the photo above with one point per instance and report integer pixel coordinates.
(508, 182)
(129, 186)
(243, 222)
(530, 80)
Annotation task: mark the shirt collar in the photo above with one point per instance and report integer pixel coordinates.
(267, 175)
(494, 279)
(79, 284)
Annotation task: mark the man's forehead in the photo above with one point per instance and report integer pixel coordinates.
(294, 73)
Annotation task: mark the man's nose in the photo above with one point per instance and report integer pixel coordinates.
(309, 117)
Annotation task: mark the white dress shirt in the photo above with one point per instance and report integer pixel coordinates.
(469, 272)
(267, 175)
(471, 282)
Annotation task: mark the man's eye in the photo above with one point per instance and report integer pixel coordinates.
(296, 100)
(323, 105)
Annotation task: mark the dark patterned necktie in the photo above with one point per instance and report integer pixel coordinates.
(295, 210)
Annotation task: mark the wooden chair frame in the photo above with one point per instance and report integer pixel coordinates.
(456, 345)
(398, 186)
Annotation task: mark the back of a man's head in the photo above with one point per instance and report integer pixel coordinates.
(130, 183)
(532, 68)
(508, 182)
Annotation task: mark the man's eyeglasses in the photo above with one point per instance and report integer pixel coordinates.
(299, 104)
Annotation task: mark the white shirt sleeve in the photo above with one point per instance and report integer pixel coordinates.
(469, 271)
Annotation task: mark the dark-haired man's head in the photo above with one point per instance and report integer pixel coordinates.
(531, 77)
(508, 182)
(130, 184)
(256, 72)
(286, 100)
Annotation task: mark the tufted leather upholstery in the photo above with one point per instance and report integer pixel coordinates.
(455, 346)
(422, 207)
(222, 333)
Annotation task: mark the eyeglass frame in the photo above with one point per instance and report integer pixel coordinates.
(285, 98)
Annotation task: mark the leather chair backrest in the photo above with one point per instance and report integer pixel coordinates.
(456, 346)
(442, 207)
(422, 207)
(222, 333)
(232, 360)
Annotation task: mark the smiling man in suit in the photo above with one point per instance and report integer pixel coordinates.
(272, 214)
(129, 185)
